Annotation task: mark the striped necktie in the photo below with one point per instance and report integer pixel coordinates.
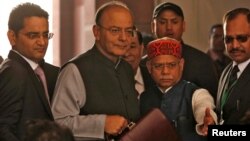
(231, 82)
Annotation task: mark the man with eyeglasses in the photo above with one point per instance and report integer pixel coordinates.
(189, 107)
(95, 94)
(23, 94)
(233, 94)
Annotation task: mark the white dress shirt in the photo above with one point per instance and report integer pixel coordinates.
(139, 83)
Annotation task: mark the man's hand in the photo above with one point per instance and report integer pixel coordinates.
(115, 124)
(208, 120)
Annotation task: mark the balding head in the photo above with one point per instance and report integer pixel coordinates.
(108, 6)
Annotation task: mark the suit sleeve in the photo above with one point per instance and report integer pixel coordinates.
(200, 101)
(69, 98)
(11, 90)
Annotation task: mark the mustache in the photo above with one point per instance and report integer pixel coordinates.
(236, 50)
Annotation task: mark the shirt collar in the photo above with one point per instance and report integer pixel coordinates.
(241, 66)
(32, 63)
(138, 76)
(165, 91)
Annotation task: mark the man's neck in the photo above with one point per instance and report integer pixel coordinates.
(113, 58)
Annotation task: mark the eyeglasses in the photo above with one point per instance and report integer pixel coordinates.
(160, 66)
(130, 32)
(34, 35)
(240, 38)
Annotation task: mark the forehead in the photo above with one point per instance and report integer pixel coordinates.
(35, 23)
(168, 13)
(117, 15)
(238, 25)
(164, 59)
(217, 30)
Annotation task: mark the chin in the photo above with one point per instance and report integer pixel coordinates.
(165, 85)
(120, 53)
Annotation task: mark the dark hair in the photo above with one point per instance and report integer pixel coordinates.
(215, 26)
(105, 6)
(167, 6)
(45, 130)
(22, 11)
(139, 37)
(146, 38)
(230, 15)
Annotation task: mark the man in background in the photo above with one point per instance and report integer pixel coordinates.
(46, 130)
(216, 49)
(168, 21)
(133, 56)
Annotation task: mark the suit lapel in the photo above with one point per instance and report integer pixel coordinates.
(222, 83)
(243, 80)
(34, 78)
(41, 93)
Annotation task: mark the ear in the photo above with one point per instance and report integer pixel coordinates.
(142, 49)
(12, 37)
(96, 32)
(153, 27)
(184, 26)
(148, 64)
(182, 62)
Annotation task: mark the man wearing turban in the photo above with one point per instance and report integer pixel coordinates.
(189, 107)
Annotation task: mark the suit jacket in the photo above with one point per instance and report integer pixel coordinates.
(22, 96)
(238, 101)
(198, 69)
(1, 59)
(148, 81)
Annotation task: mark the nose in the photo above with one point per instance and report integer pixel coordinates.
(123, 35)
(169, 25)
(235, 43)
(165, 70)
(41, 40)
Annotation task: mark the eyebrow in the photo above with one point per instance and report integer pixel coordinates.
(33, 32)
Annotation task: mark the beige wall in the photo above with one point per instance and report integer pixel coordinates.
(75, 18)
(200, 15)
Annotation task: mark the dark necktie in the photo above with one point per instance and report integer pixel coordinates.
(231, 82)
(39, 71)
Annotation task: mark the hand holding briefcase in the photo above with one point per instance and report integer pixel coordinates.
(154, 126)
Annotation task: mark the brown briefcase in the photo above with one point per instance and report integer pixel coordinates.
(152, 127)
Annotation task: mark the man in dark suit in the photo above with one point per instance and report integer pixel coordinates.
(133, 56)
(233, 100)
(216, 50)
(1, 59)
(22, 93)
(168, 21)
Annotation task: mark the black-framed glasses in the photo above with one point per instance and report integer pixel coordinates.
(35, 35)
(130, 32)
(240, 38)
(160, 66)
